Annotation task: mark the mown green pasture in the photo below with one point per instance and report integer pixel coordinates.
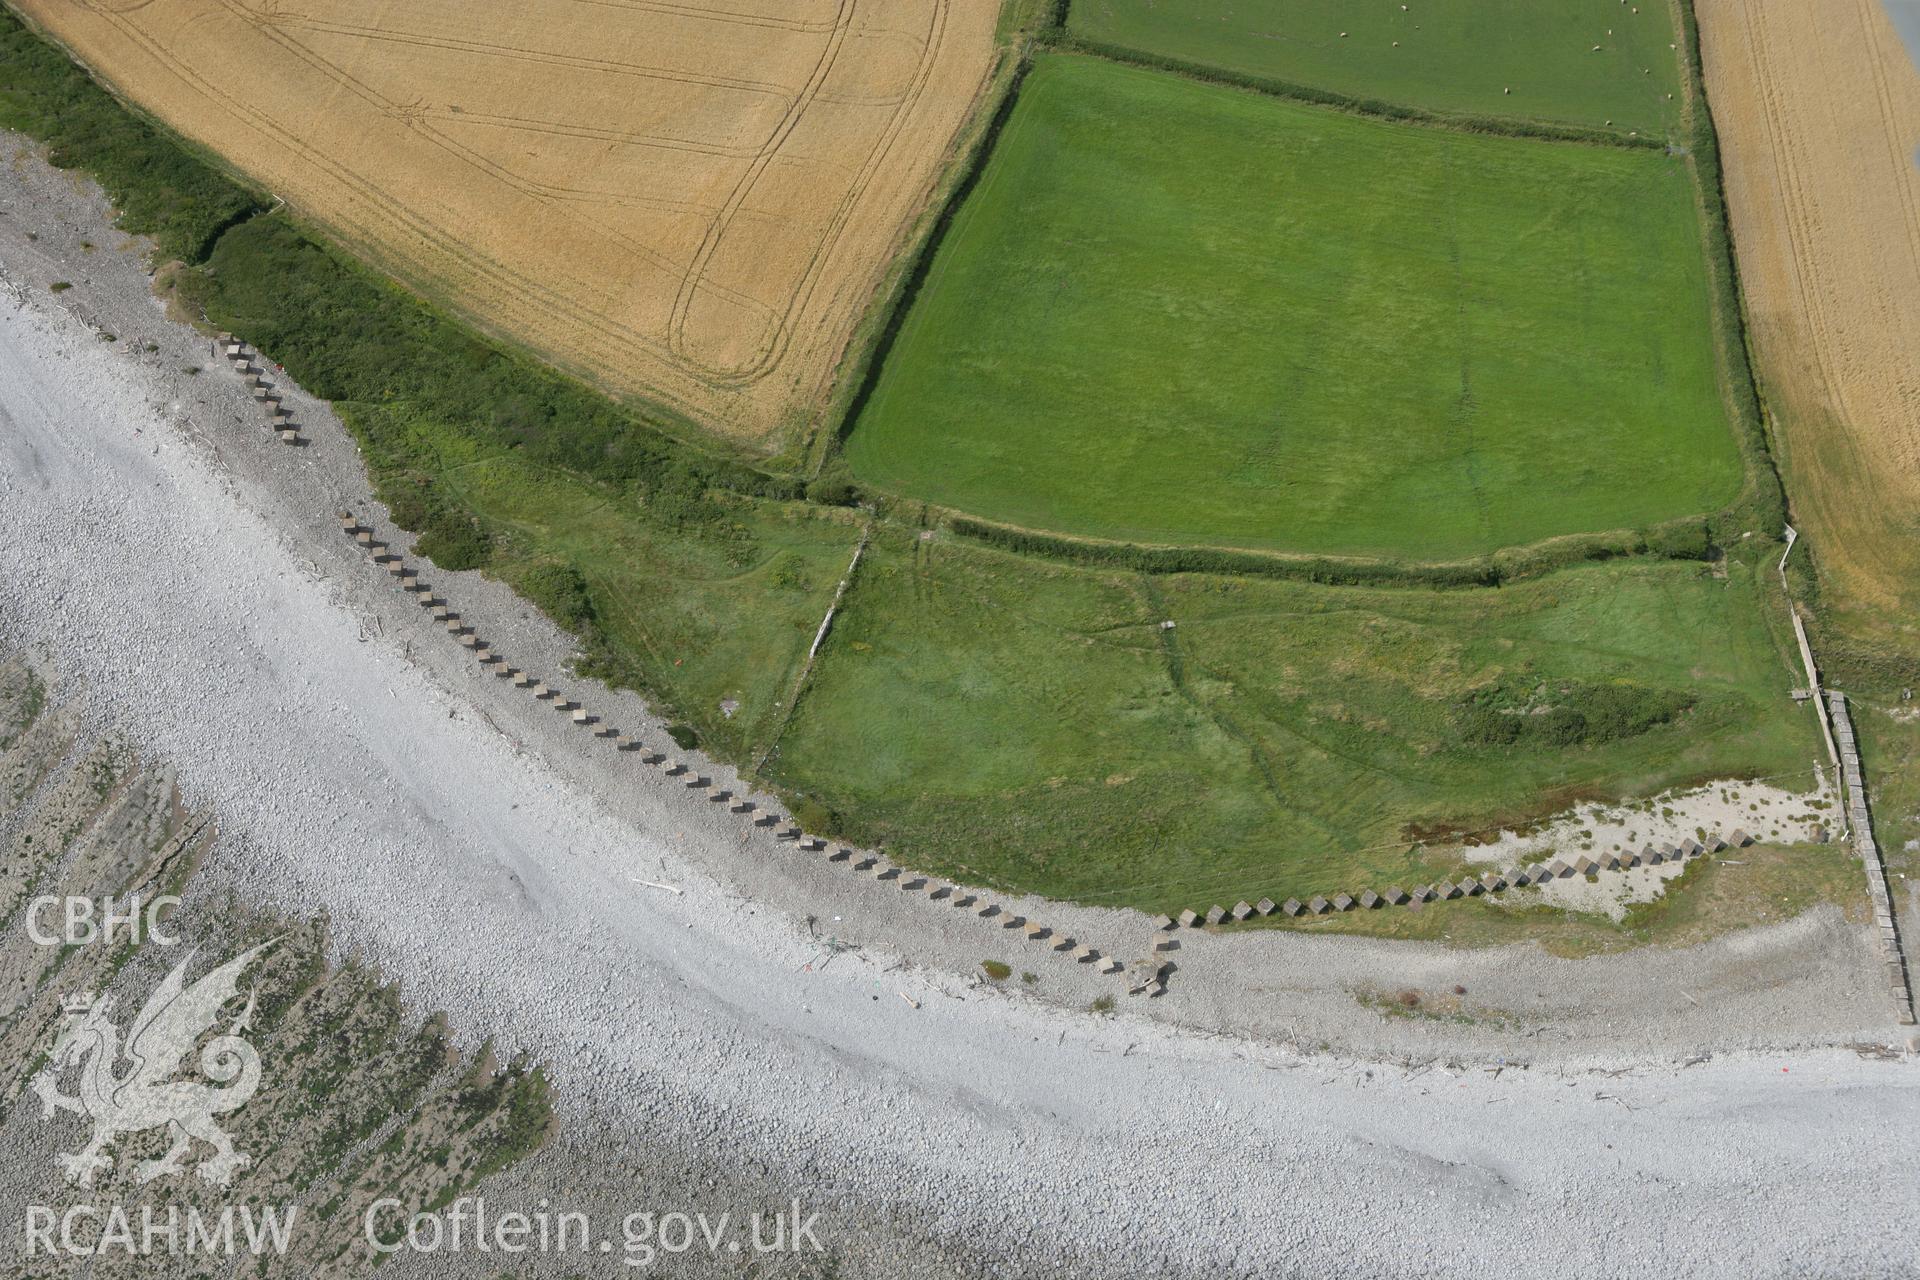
(1454, 56)
(1176, 312)
(1031, 724)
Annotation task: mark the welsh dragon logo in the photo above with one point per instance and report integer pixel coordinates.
(143, 1097)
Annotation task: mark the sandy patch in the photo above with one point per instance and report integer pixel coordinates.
(1767, 812)
(1764, 810)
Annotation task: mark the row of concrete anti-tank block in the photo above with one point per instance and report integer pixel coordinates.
(868, 863)
(1490, 882)
(279, 417)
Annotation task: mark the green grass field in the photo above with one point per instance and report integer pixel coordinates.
(1324, 356)
(724, 616)
(1176, 312)
(1454, 56)
(1030, 724)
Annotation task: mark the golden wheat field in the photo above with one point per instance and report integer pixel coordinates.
(692, 201)
(1818, 109)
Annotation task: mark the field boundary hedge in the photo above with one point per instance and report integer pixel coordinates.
(1685, 538)
(1764, 501)
(1373, 108)
(867, 350)
(975, 164)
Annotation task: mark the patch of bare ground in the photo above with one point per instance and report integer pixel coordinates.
(692, 203)
(1818, 112)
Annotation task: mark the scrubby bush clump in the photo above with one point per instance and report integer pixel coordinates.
(561, 592)
(1566, 714)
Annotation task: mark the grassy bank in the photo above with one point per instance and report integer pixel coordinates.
(1889, 730)
(693, 578)
(1037, 725)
